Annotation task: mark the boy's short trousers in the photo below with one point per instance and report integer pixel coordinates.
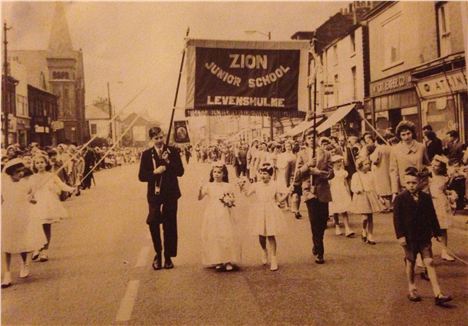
(412, 249)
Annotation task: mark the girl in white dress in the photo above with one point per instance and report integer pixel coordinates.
(341, 198)
(265, 214)
(365, 200)
(438, 189)
(21, 234)
(220, 245)
(49, 209)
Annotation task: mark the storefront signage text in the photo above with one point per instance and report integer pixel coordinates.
(443, 84)
(390, 85)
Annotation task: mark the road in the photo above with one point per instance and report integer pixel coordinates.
(99, 272)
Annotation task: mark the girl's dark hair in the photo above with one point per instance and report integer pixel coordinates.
(266, 167)
(406, 125)
(223, 169)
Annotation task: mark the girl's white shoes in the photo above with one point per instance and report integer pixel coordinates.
(24, 271)
(445, 256)
(264, 257)
(274, 264)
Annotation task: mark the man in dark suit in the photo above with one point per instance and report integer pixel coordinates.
(160, 166)
(314, 173)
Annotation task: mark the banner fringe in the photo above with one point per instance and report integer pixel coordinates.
(246, 112)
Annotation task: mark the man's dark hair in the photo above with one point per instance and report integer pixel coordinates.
(427, 127)
(367, 134)
(154, 131)
(453, 133)
(430, 134)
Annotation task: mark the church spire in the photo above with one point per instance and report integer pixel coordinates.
(60, 40)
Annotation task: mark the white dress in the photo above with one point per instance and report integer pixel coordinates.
(367, 201)
(219, 236)
(437, 187)
(20, 231)
(282, 163)
(47, 187)
(341, 199)
(266, 217)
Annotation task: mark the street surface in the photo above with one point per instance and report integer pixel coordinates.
(99, 272)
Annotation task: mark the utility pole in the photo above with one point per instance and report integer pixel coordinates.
(6, 109)
(111, 114)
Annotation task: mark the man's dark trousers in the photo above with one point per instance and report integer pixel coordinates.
(165, 214)
(318, 216)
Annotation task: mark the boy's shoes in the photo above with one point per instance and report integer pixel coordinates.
(319, 260)
(228, 267)
(445, 256)
(168, 263)
(414, 297)
(157, 263)
(220, 268)
(441, 299)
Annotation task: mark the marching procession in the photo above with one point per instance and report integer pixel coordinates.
(319, 176)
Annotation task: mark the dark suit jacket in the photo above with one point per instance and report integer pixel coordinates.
(169, 183)
(320, 180)
(434, 148)
(417, 221)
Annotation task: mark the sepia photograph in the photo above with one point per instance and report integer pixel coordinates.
(234, 163)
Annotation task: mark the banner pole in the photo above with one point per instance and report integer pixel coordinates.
(177, 90)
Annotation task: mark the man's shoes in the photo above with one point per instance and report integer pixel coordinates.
(319, 260)
(168, 263)
(414, 297)
(157, 263)
(441, 299)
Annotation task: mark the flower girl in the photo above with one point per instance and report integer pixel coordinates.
(265, 213)
(220, 245)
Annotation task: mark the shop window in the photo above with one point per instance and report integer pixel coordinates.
(444, 30)
(93, 129)
(391, 41)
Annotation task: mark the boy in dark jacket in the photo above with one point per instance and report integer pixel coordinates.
(415, 223)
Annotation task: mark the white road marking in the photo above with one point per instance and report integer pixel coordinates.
(143, 257)
(128, 301)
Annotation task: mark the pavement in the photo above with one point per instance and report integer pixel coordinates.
(99, 272)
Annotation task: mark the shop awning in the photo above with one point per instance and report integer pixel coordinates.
(304, 125)
(336, 117)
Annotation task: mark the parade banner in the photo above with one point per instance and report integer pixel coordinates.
(248, 78)
(180, 132)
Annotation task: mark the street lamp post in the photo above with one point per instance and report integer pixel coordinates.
(268, 35)
(113, 125)
(5, 103)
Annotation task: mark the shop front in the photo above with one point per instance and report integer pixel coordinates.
(444, 102)
(392, 100)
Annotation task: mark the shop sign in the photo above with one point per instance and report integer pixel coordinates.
(391, 84)
(56, 125)
(40, 129)
(442, 84)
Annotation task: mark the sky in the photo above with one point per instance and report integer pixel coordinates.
(133, 45)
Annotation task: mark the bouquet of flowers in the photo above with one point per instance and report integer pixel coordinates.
(228, 200)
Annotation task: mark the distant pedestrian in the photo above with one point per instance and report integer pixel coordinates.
(365, 199)
(21, 233)
(433, 144)
(265, 214)
(415, 223)
(341, 198)
(380, 159)
(220, 243)
(454, 149)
